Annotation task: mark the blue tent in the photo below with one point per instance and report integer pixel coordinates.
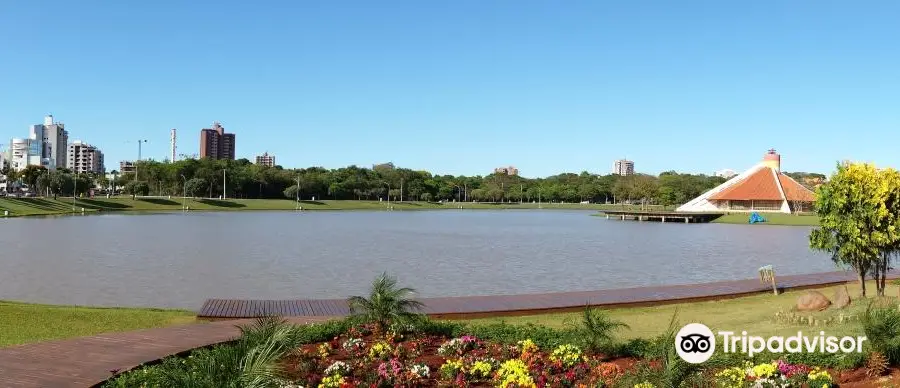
(755, 217)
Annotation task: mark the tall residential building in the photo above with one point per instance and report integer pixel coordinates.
(215, 143)
(265, 160)
(46, 146)
(509, 170)
(623, 167)
(84, 158)
(55, 141)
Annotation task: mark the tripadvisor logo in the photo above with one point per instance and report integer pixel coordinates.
(695, 343)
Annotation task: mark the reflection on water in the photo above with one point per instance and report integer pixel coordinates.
(179, 260)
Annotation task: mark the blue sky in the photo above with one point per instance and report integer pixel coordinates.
(463, 86)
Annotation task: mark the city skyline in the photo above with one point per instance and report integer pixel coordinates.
(462, 87)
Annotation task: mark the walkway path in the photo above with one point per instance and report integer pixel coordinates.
(476, 306)
(88, 361)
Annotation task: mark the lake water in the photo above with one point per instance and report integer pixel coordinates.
(179, 260)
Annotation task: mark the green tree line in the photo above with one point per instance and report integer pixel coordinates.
(203, 178)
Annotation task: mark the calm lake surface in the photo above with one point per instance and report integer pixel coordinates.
(179, 260)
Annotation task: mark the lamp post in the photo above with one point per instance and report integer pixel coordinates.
(136, 177)
(297, 204)
(458, 192)
(183, 193)
(223, 183)
(75, 191)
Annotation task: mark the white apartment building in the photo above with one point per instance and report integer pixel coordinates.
(46, 146)
(84, 158)
(623, 167)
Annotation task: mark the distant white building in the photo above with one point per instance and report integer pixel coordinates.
(726, 173)
(623, 167)
(46, 146)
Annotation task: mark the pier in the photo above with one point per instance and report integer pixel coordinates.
(661, 216)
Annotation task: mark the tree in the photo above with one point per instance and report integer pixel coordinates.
(136, 188)
(852, 219)
(31, 173)
(386, 303)
(292, 192)
(60, 183)
(195, 186)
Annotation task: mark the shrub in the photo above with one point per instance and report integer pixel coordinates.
(250, 360)
(596, 330)
(882, 328)
(387, 304)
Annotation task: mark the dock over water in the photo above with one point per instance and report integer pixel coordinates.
(661, 216)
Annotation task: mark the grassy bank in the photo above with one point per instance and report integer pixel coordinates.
(771, 219)
(23, 323)
(756, 314)
(50, 206)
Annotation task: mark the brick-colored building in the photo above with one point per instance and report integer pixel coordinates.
(265, 160)
(215, 143)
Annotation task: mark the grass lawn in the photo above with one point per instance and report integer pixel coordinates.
(756, 314)
(50, 206)
(23, 322)
(771, 219)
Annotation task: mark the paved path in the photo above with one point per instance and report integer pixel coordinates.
(475, 306)
(88, 361)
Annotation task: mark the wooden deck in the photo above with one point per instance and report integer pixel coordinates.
(661, 216)
(89, 361)
(477, 306)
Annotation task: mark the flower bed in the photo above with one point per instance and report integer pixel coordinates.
(361, 359)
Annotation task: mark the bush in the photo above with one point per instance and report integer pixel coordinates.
(882, 327)
(248, 361)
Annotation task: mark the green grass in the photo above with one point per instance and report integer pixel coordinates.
(25, 323)
(756, 314)
(771, 219)
(50, 206)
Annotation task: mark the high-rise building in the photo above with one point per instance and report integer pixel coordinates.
(54, 139)
(215, 143)
(265, 160)
(623, 167)
(84, 158)
(509, 170)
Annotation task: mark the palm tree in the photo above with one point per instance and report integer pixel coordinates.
(596, 329)
(386, 303)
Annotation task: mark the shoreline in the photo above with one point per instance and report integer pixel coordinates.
(49, 207)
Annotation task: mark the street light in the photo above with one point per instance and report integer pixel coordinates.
(75, 191)
(183, 193)
(136, 177)
(459, 191)
(297, 204)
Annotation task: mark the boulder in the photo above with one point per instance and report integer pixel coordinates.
(841, 297)
(812, 301)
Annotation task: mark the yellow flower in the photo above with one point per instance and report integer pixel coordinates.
(379, 350)
(332, 382)
(480, 369)
(514, 373)
(765, 370)
(527, 346)
(568, 355)
(645, 385)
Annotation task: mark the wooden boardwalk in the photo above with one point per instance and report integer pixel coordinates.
(476, 306)
(662, 216)
(89, 361)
